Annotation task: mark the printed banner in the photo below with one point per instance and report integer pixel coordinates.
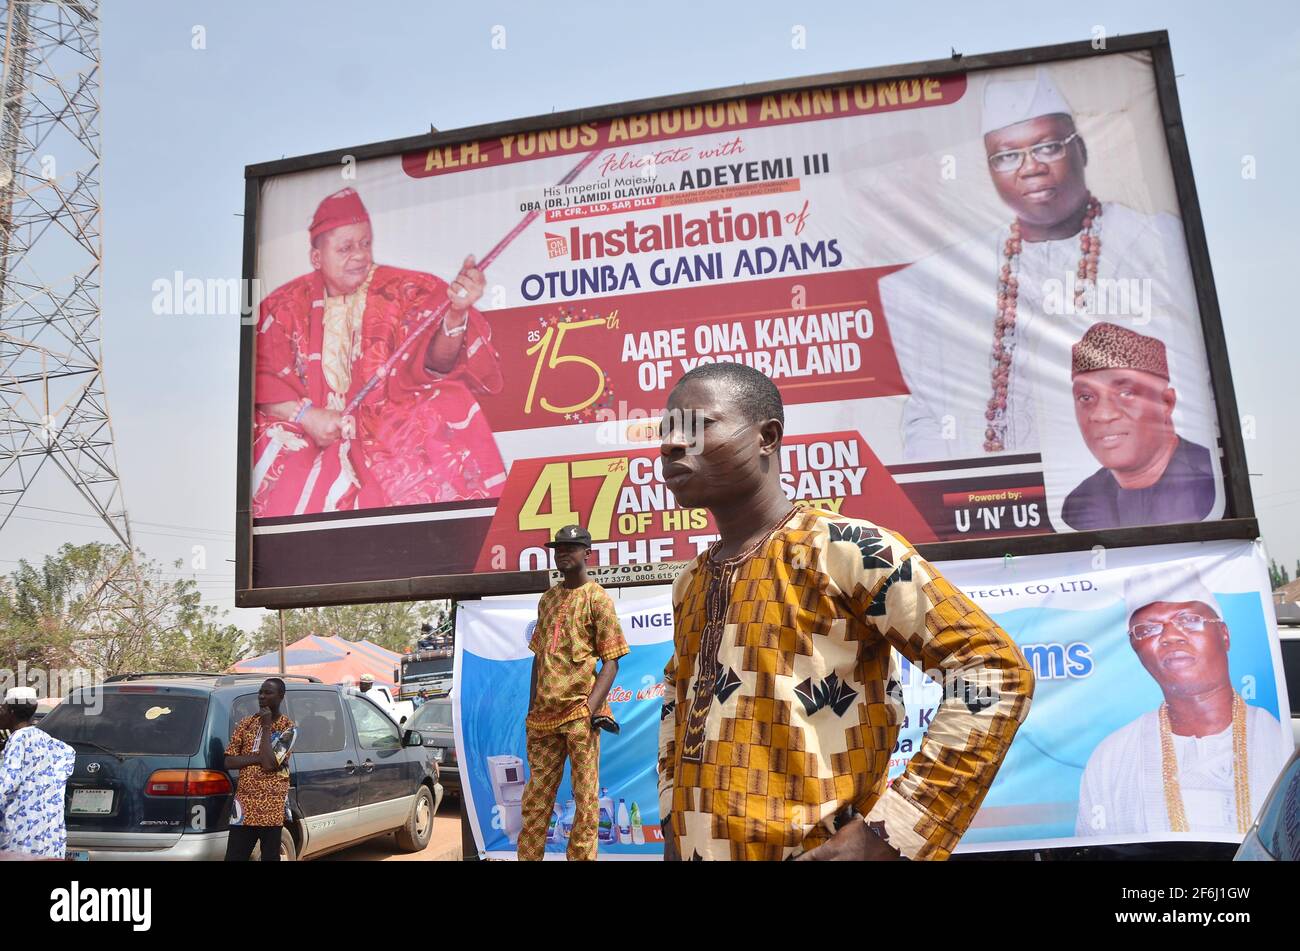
(1160, 710)
(490, 701)
(973, 292)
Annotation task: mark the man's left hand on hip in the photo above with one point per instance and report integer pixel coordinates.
(853, 843)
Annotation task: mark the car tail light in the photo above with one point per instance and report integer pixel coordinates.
(187, 782)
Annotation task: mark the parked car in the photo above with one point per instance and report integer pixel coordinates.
(150, 780)
(433, 722)
(399, 710)
(44, 706)
(1275, 836)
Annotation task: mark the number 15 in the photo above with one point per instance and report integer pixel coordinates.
(557, 333)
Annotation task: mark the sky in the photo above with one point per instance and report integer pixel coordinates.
(275, 79)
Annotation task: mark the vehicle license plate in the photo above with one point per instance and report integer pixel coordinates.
(91, 802)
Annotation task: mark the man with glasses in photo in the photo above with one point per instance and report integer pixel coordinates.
(1205, 759)
(983, 328)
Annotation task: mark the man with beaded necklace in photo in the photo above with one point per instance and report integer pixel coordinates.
(1028, 291)
(1202, 762)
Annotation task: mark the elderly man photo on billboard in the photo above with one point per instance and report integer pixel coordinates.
(1205, 759)
(1124, 405)
(419, 437)
(981, 326)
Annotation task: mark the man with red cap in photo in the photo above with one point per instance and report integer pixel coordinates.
(419, 436)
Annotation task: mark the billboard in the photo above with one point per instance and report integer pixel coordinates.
(981, 291)
(1160, 708)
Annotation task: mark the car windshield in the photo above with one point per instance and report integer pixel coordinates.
(432, 716)
(131, 723)
(425, 668)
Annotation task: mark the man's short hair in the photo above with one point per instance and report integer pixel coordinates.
(755, 393)
(279, 684)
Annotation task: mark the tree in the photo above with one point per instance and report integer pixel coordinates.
(97, 608)
(395, 626)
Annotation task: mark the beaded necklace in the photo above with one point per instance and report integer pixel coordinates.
(1004, 327)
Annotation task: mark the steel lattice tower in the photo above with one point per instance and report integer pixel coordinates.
(53, 405)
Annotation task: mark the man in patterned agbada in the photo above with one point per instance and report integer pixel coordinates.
(34, 773)
(576, 626)
(782, 700)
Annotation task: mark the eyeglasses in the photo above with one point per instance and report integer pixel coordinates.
(1012, 159)
(1191, 623)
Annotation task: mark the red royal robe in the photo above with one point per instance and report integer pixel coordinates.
(420, 435)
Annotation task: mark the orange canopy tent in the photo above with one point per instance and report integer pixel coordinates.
(332, 659)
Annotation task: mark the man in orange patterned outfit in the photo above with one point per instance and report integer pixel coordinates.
(257, 814)
(782, 702)
(576, 625)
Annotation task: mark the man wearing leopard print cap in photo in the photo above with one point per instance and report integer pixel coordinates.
(1124, 404)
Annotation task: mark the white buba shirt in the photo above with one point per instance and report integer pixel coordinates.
(34, 774)
(1123, 791)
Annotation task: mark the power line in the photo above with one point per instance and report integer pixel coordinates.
(50, 521)
(189, 528)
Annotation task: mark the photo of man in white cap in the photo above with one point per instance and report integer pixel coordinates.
(34, 773)
(1205, 759)
(983, 328)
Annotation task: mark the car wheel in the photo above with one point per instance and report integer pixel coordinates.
(288, 851)
(415, 835)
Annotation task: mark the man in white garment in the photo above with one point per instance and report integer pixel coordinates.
(34, 773)
(976, 390)
(367, 686)
(1202, 762)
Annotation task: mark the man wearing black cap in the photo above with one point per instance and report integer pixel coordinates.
(576, 624)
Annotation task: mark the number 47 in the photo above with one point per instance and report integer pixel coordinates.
(554, 482)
